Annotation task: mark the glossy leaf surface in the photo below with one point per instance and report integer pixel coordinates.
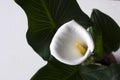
(55, 70)
(106, 33)
(45, 17)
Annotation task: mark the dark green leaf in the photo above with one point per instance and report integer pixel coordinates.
(97, 72)
(55, 70)
(45, 17)
(115, 70)
(106, 33)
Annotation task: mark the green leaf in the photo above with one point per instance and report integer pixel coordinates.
(95, 72)
(45, 17)
(115, 70)
(106, 33)
(99, 72)
(55, 70)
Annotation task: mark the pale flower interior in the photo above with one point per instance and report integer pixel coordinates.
(66, 44)
(69, 41)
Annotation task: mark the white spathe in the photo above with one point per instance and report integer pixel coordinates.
(63, 45)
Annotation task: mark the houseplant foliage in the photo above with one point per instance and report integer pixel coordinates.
(44, 19)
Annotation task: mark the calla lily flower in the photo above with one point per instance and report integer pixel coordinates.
(72, 44)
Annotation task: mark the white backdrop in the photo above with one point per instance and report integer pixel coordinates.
(17, 59)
